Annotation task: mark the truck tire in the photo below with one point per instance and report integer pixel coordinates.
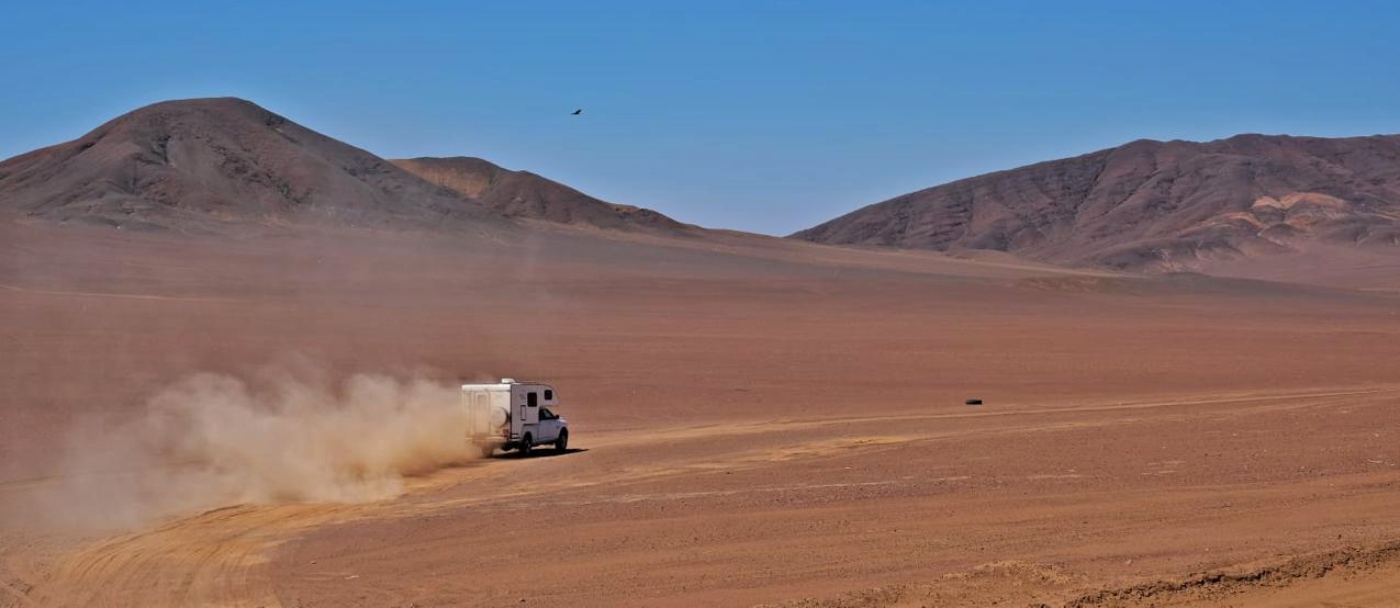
(562, 444)
(526, 443)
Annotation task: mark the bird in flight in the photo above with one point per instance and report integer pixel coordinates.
(578, 111)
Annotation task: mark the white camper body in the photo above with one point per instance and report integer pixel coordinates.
(513, 415)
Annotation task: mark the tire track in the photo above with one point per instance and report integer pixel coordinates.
(215, 559)
(99, 294)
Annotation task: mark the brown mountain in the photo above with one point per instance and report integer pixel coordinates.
(524, 194)
(1151, 204)
(212, 163)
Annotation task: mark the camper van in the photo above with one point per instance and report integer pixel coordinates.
(512, 415)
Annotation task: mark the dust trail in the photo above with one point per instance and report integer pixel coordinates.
(214, 440)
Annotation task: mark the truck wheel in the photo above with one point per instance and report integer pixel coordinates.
(562, 443)
(487, 450)
(525, 444)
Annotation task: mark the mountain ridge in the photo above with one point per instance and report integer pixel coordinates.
(226, 164)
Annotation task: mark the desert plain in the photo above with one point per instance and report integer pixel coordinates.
(756, 421)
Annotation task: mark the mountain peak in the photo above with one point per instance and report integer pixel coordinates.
(202, 163)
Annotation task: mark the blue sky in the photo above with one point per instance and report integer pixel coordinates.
(763, 115)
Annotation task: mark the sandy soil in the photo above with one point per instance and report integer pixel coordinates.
(755, 422)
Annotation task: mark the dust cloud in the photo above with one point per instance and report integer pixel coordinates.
(213, 440)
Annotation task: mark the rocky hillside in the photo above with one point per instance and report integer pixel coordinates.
(1151, 204)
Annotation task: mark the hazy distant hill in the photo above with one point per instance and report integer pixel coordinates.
(1154, 204)
(524, 194)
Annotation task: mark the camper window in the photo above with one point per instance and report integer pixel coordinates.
(532, 399)
(548, 395)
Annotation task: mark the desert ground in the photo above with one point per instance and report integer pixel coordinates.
(755, 422)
